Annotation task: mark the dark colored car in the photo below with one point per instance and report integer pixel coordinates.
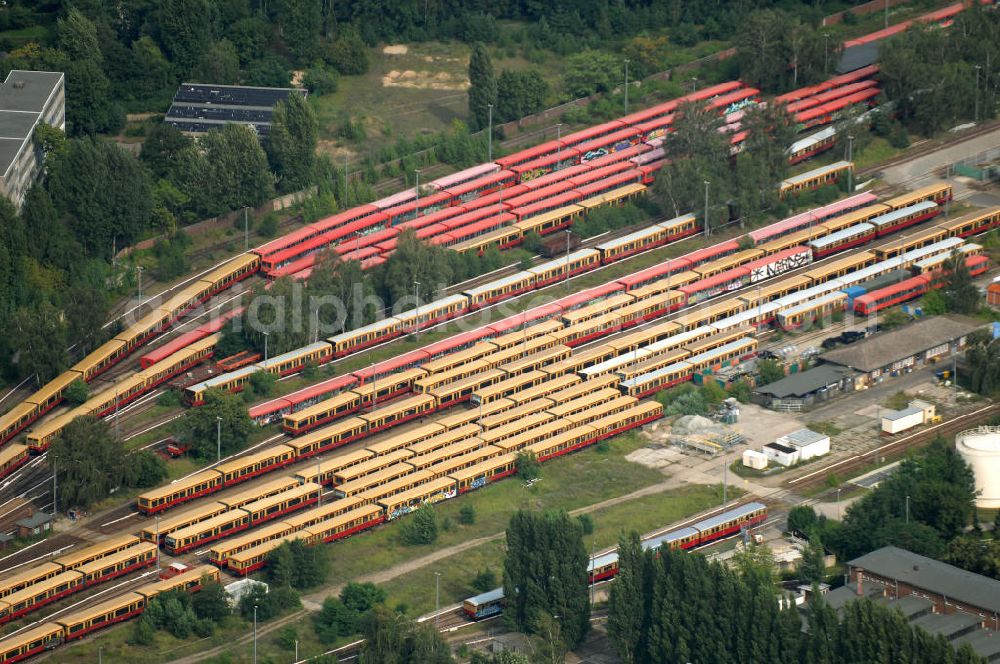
(850, 336)
(767, 355)
(830, 342)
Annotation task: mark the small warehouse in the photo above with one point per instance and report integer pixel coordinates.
(916, 413)
(901, 351)
(803, 389)
(754, 459)
(808, 442)
(784, 455)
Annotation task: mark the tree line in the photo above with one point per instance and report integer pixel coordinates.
(674, 606)
(923, 506)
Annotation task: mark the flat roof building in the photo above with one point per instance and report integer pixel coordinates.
(805, 388)
(198, 108)
(26, 99)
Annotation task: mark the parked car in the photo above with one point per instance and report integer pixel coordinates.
(768, 355)
(850, 336)
(830, 342)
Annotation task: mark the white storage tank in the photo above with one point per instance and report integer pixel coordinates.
(980, 447)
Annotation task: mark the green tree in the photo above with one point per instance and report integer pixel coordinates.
(421, 527)
(334, 620)
(103, 192)
(812, 567)
(545, 573)
(320, 80)
(348, 54)
(960, 292)
(467, 515)
(361, 597)
(390, 637)
(39, 341)
(934, 303)
(87, 458)
(185, 30)
(626, 606)
(762, 49)
(200, 427)
(211, 602)
(292, 143)
(269, 72)
(77, 392)
(519, 93)
(300, 22)
(770, 371)
(482, 86)
(485, 580)
(78, 37)
(162, 149)
(528, 467)
(219, 64)
(588, 72)
(413, 260)
(802, 519)
(228, 173)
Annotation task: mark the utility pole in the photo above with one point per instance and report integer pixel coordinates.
(138, 268)
(374, 386)
(55, 506)
(826, 52)
(254, 634)
(838, 503)
(978, 67)
(265, 346)
(558, 145)
(567, 255)
(907, 509)
(416, 313)
(246, 229)
(489, 153)
(417, 189)
(437, 595)
(850, 158)
(886, 5)
(592, 558)
(707, 232)
(218, 438)
(319, 481)
(157, 545)
(725, 479)
(626, 86)
(345, 176)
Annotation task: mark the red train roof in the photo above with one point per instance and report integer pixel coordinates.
(360, 254)
(715, 280)
(551, 203)
(732, 97)
(606, 171)
(666, 108)
(345, 217)
(557, 176)
(268, 408)
(473, 216)
(700, 256)
(712, 91)
(321, 389)
(386, 367)
(171, 347)
(494, 198)
(529, 154)
(606, 184)
(523, 318)
(565, 154)
(279, 244)
(591, 133)
(457, 341)
(584, 297)
(539, 194)
(296, 266)
(618, 156)
(476, 228)
(423, 202)
(674, 266)
(629, 134)
(844, 90)
(431, 231)
(485, 181)
(438, 216)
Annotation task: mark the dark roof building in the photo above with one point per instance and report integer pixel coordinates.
(910, 345)
(806, 387)
(950, 588)
(198, 108)
(26, 99)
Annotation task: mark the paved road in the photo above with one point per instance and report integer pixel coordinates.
(920, 171)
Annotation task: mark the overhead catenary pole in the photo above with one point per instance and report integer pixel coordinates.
(417, 189)
(850, 158)
(437, 595)
(55, 487)
(826, 52)
(416, 311)
(157, 544)
(138, 268)
(254, 634)
(978, 67)
(218, 438)
(567, 255)
(489, 152)
(626, 86)
(707, 231)
(246, 229)
(265, 346)
(886, 20)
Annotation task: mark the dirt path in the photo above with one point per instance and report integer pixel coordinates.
(312, 601)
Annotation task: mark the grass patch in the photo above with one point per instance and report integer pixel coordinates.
(876, 152)
(561, 486)
(825, 427)
(897, 401)
(415, 590)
